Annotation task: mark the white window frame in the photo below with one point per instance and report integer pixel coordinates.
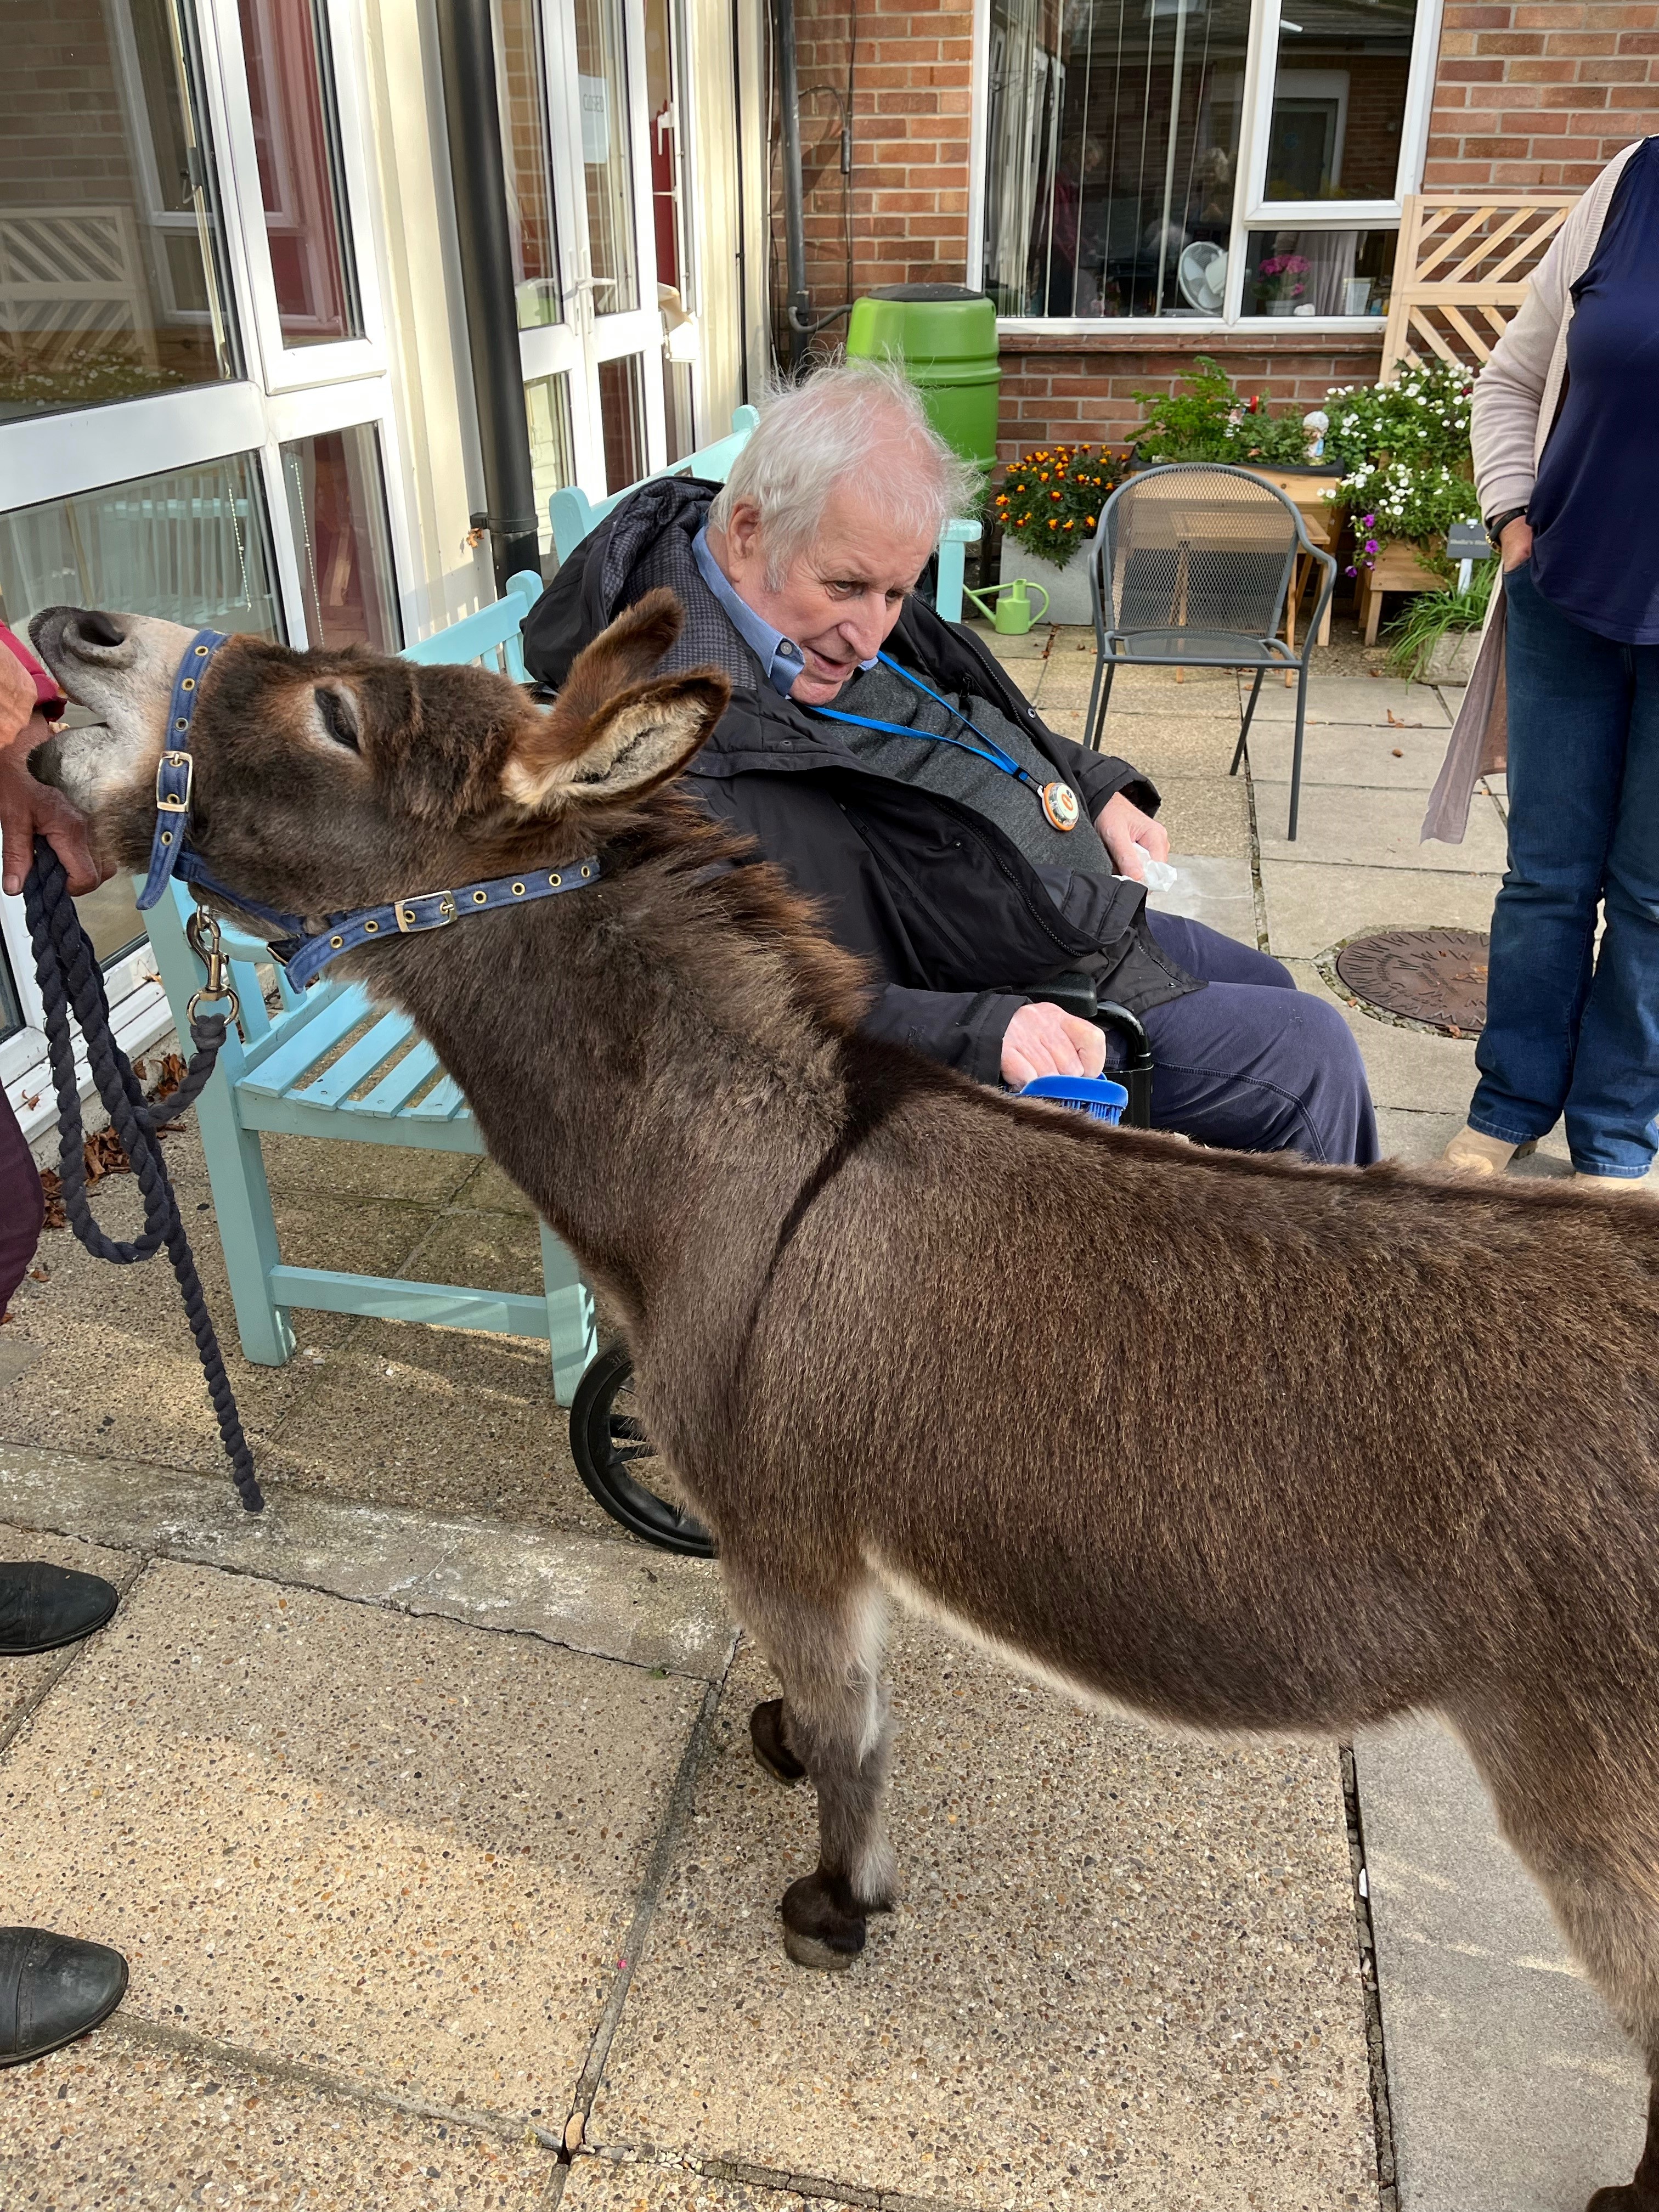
(279, 366)
(1250, 210)
(291, 393)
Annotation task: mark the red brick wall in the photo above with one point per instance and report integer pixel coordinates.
(1526, 95)
(1541, 95)
(911, 72)
(1080, 388)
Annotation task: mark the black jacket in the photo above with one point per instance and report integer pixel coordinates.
(961, 927)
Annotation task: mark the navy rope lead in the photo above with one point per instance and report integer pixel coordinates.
(72, 981)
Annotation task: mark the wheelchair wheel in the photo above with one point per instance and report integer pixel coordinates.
(616, 1460)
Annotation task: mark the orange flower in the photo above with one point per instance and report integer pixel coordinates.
(1068, 526)
(1089, 519)
(1053, 525)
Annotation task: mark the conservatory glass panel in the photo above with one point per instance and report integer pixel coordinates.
(1112, 147)
(1319, 272)
(1339, 99)
(521, 94)
(290, 90)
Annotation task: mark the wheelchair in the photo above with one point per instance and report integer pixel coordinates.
(613, 1455)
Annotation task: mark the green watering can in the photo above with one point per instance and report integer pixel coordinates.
(1012, 614)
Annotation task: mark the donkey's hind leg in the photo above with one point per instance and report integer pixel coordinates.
(1584, 1815)
(833, 1723)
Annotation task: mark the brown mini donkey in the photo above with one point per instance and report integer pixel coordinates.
(1236, 1442)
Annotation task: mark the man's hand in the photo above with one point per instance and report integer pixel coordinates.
(1040, 1040)
(1131, 837)
(1515, 542)
(29, 810)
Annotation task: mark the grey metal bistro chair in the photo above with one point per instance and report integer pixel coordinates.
(1190, 569)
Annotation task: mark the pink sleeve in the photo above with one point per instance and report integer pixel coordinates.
(46, 693)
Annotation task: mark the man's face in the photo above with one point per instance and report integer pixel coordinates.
(842, 596)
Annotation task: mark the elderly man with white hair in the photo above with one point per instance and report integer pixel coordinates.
(883, 759)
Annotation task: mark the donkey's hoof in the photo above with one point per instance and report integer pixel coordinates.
(822, 1929)
(766, 1733)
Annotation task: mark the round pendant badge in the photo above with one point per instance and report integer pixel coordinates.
(1060, 805)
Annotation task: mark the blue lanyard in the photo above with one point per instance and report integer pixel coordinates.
(992, 752)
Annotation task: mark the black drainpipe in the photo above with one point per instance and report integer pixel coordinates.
(794, 223)
(479, 173)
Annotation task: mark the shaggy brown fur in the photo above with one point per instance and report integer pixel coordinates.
(1237, 1442)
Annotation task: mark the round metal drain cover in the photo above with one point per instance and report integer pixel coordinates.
(1437, 976)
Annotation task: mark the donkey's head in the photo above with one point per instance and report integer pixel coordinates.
(328, 780)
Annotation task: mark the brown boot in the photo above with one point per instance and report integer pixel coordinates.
(1471, 1153)
(1613, 1186)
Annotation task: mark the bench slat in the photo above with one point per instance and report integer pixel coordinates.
(299, 1044)
(358, 1060)
(441, 1103)
(398, 1084)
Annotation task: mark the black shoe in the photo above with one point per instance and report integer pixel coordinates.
(42, 1606)
(53, 1988)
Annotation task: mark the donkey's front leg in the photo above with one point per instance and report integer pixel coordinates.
(833, 1722)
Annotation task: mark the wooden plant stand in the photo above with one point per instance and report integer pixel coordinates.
(1398, 568)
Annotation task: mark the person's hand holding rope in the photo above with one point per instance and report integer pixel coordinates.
(28, 809)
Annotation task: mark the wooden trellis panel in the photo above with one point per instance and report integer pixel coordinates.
(1462, 269)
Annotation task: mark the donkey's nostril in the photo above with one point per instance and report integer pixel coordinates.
(99, 629)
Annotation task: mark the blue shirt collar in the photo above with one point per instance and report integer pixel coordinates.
(780, 656)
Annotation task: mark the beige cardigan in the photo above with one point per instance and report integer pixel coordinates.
(1515, 398)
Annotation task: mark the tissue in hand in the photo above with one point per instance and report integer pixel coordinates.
(1157, 875)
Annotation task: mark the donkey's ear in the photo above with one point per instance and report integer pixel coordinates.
(626, 744)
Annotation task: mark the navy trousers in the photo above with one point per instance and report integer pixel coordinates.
(1252, 1063)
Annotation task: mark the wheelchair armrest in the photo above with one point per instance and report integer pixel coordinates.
(1073, 994)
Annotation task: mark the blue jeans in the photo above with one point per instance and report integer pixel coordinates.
(1253, 1063)
(1567, 1031)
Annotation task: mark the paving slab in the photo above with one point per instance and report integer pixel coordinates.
(119, 1371)
(400, 1850)
(1212, 888)
(1357, 699)
(602, 2184)
(1160, 745)
(116, 2121)
(609, 1596)
(1413, 1069)
(1206, 814)
(23, 1681)
(493, 1248)
(451, 1421)
(330, 1167)
(1374, 758)
(1312, 907)
(1122, 1972)
(1511, 2085)
(1343, 826)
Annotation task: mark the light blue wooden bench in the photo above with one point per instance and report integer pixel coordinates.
(573, 514)
(328, 1063)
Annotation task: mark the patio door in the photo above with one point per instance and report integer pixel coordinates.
(590, 131)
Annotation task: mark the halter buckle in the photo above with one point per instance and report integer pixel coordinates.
(408, 921)
(167, 802)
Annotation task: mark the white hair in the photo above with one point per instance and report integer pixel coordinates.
(826, 431)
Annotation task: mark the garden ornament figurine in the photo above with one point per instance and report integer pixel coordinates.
(1307, 1521)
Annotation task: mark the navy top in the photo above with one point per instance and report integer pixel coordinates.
(1594, 507)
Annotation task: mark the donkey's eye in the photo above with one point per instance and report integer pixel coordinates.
(339, 712)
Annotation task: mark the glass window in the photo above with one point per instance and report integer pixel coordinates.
(11, 1014)
(337, 502)
(602, 92)
(662, 77)
(1113, 131)
(1319, 272)
(290, 90)
(1338, 100)
(111, 282)
(191, 546)
(622, 413)
(552, 448)
(521, 94)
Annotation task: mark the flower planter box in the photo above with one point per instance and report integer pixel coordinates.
(1068, 588)
(1398, 568)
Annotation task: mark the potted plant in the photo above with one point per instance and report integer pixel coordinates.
(1436, 638)
(1281, 282)
(1408, 476)
(1048, 509)
(1204, 419)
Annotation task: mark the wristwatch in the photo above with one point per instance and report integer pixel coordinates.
(1500, 523)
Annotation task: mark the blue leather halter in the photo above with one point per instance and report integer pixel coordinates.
(305, 952)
